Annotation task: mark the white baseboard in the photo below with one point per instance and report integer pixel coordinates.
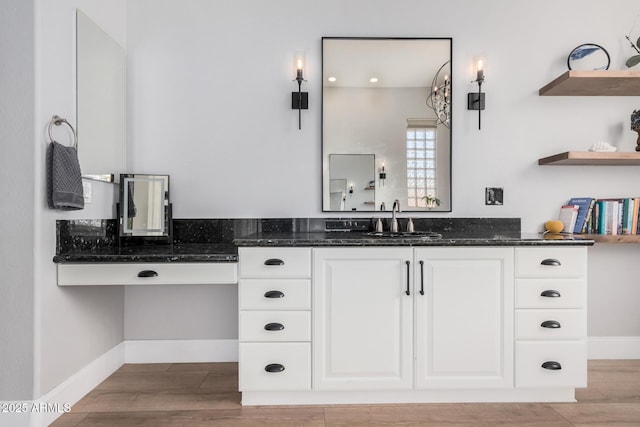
(46, 409)
(613, 348)
(59, 400)
(181, 351)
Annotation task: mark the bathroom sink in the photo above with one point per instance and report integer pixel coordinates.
(427, 235)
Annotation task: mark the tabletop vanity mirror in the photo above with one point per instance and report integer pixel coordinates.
(144, 208)
(386, 118)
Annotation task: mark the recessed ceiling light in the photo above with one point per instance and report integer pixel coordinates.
(332, 79)
(373, 80)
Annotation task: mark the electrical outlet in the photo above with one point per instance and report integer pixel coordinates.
(493, 196)
(86, 191)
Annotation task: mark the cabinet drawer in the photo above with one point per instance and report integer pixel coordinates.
(548, 293)
(571, 357)
(551, 262)
(551, 324)
(256, 358)
(274, 294)
(157, 274)
(275, 326)
(274, 262)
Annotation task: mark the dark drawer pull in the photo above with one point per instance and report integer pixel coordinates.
(552, 366)
(274, 367)
(551, 324)
(421, 277)
(550, 294)
(148, 273)
(274, 294)
(408, 291)
(274, 261)
(273, 327)
(551, 261)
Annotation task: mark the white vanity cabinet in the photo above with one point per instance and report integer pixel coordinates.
(369, 303)
(362, 318)
(464, 312)
(275, 319)
(551, 318)
(398, 324)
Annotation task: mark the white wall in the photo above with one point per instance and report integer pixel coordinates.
(209, 104)
(72, 326)
(17, 111)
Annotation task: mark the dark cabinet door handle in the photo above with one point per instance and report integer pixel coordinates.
(550, 294)
(273, 327)
(421, 277)
(274, 261)
(148, 273)
(551, 324)
(274, 367)
(551, 261)
(552, 366)
(274, 294)
(408, 292)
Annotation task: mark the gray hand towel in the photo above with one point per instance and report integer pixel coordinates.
(64, 179)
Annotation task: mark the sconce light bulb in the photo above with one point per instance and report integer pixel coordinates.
(480, 72)
(373, 80)
(332, 79)
(300, 64)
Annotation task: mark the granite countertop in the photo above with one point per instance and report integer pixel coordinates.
(160, 253)
(362, 239)
(217, 240)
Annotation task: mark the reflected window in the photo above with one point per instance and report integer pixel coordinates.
(421, 163)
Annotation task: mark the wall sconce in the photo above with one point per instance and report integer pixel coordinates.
(299, 99)
(351, 189)
(476, 100)
(382, 175)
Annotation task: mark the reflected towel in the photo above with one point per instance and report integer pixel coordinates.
(64, 179)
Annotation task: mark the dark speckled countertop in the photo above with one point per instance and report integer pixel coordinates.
(217, 240)
(362, 239)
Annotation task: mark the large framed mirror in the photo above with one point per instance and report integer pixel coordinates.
(386, 103)
(100, 101)
(144, 205)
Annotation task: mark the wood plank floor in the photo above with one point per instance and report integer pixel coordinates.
(205, 394)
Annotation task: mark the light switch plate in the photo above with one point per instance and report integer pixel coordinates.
(86, 191)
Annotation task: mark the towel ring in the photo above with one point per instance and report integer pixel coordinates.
(57, 120)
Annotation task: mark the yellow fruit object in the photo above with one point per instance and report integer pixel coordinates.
(553, 226)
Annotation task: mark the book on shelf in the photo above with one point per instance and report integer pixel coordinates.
(583, 204)
(614, 216)
(568, 216)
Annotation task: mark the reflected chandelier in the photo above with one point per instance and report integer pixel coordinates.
(439, 99)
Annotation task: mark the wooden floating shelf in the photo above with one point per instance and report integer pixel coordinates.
(592, 158)
(608, 238)
(594, 83)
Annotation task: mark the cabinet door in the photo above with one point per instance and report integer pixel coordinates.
(362, 318)
(464, 319)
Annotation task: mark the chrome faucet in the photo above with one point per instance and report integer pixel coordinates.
(394, 219)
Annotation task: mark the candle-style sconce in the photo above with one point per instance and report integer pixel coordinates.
(382, 175)
(299, 99)
(476, 100)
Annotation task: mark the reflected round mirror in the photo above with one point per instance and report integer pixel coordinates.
(384, 135)
(587, 57)
(144, 205)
